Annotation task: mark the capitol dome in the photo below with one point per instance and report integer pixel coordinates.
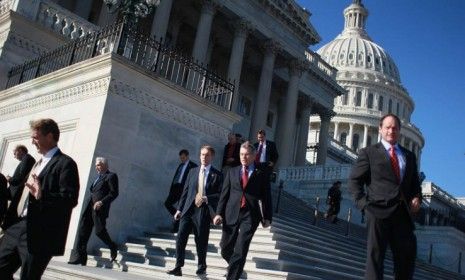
(354, 48)
(372, 81)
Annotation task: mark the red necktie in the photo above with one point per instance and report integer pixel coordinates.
(244, 181)
(394, 162)
(259, 153)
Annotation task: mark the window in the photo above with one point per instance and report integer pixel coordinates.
(355, 140)
(245, 106)
(390, 106)
(380, 103)
(358, 99)
(343, 138)
(269, 119)
(397, 108)
(370, 101)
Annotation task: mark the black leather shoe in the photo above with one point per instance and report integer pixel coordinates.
(201, 271)
(114, 253)
(175, 271)
(81, 261)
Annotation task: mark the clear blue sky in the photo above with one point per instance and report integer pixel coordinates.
(426, 39)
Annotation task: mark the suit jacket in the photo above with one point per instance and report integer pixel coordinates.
(235, 155)
(212, 190)
(105, 189)
(48, 218)
(3, 196)
(257, 189)
(373, 169)
(271, 151)
(20, 176)
(189, 166)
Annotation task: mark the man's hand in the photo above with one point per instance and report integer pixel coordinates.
(177, 215)
(97, 205)
(415, 205)
(34, 187)
(266, 223)
(199, 199)
(217, 220)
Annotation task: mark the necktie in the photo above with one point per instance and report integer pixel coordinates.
(201, 182)
(259, 154)
(23, 201)
(394, 162)
(244, 181)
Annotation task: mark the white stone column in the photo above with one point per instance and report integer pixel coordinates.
(350, 136)
(175, 28)
(105, 18)
(242, 28)
(83, 8)
(211, 46)
(202, 37)
(161, 19)
(365, 136)
(323, 140)
(304, 123)
(287, 118)
(262, 100)
(336, 131)
(379, 136)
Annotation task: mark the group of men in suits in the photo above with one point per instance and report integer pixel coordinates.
(240, 199)
(41, 206)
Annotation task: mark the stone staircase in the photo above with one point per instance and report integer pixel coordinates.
(294, 247)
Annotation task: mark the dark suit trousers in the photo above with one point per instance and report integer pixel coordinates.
(397, 232)
(14, 254)
(173, 197)
(235, 243)
(88, 221)
(198, 220)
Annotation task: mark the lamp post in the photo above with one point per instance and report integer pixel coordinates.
(131, 10)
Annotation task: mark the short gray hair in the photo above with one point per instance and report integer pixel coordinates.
(249, 146)
(102, 160)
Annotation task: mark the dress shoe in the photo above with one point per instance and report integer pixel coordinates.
(81, 261)
(201, 271)
(114, 253)
(176, 271)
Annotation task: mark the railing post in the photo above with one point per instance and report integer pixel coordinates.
(430, 254)
(317, 206)
(349, 218)
(280, 189)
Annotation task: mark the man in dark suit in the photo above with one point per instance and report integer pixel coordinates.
(239, 209)
(177, 184)
(196, 209)
(389, 173)
(51, 194)
(231, 153)
(266, 153)
(3, 198)
(103, 190)
(17, 181)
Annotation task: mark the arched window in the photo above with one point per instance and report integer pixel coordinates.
(390, 106)
(344, 99)
(370, 101)
(380, 103)
(398, 109)
(344, 138)
(355, 140)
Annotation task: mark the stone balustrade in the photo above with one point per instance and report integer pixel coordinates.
(316, 60)
(315, 172)
(5, 6)
(63, 21)
(429, 189)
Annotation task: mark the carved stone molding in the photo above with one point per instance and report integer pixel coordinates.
(271, 47)
(25, 43)
(209, 6)
(55, 99)
(167, 110)
(241, 27)
(297, 67)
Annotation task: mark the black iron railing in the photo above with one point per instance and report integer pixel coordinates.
(140, 49)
